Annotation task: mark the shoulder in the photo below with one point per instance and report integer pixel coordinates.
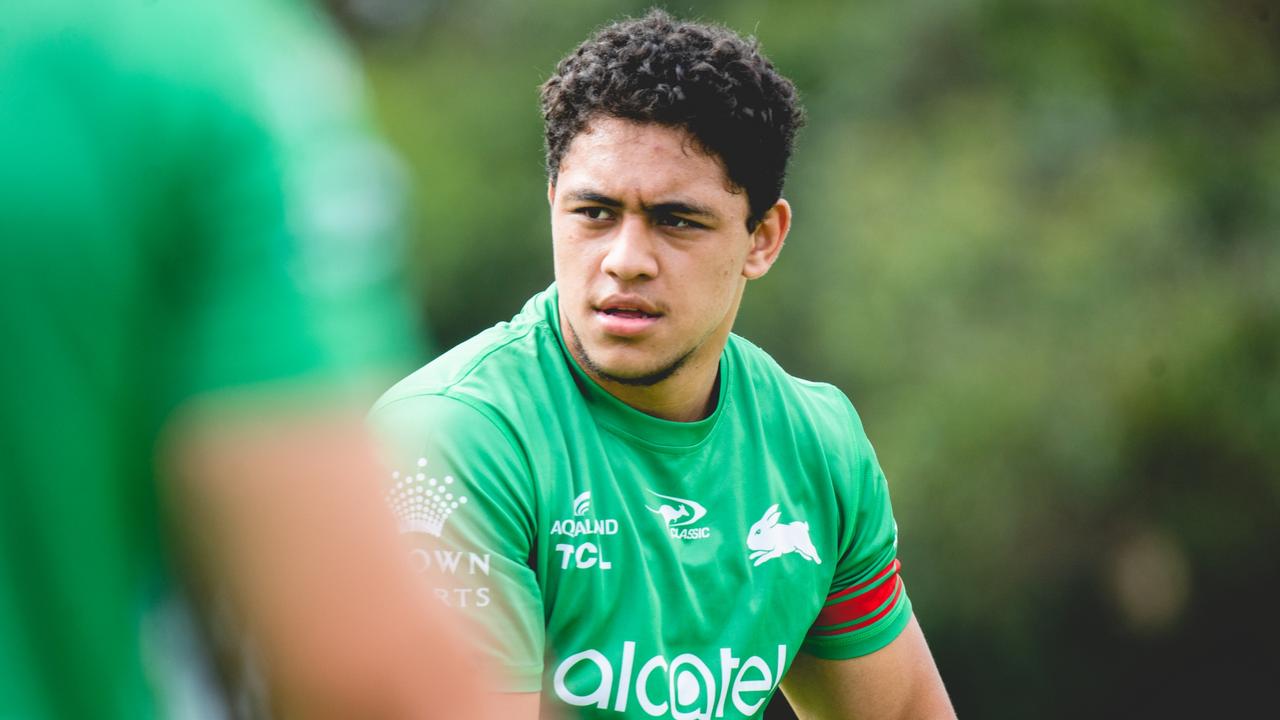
(453, 433)
(817, 417)
(487, 380)
(477, 370)
(460, 416)
(819, 408)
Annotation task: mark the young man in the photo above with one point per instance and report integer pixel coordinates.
(647, 516)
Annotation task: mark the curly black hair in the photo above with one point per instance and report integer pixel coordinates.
(702, 78)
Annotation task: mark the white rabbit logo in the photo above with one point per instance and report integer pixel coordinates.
(770, 540)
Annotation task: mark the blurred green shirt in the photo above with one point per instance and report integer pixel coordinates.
(189, 204)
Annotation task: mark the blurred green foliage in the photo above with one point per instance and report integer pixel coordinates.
(1036, 241)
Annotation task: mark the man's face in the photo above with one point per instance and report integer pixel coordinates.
(651, 251)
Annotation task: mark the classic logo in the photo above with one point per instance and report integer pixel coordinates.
(421, 503)
(684, 687)
(769, 540)
(679, 514)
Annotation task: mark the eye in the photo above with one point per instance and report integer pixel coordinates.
(679, 223)
(594, 212)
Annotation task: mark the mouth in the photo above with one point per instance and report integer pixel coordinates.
(626, 317)
(629, 313)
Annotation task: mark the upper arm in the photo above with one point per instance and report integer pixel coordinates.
(867, 606)
(517, 706)
(865, 656)
(899, 680)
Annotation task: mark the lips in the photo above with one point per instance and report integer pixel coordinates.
(627, 305)
(626, 315)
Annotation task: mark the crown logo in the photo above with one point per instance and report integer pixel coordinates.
(422, 504)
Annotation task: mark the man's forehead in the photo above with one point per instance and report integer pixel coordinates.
(626, 155)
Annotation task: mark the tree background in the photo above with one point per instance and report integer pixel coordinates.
(1037, 242)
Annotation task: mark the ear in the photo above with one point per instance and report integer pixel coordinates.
(551, 193)
(767, 240)
(771, 515)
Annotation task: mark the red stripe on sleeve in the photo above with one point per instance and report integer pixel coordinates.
(890, 569)
(895, 584)
(861, 605)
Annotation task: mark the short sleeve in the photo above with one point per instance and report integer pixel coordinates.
(867, 605)
(462, 495)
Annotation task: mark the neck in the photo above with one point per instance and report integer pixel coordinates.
(690, 394)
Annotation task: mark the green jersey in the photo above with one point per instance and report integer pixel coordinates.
(190, 202)
(626, 565)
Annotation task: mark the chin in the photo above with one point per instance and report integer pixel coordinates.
(625, 364)
(636, 372)
(613, 366)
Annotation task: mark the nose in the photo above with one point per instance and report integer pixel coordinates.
(631, 254)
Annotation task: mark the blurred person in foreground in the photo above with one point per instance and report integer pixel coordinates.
(195, 285)
(649, 517)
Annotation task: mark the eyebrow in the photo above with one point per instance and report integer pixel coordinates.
(660, 209)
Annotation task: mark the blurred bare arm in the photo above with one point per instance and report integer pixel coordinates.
(284, 511)
(898, 682)
(519, 706)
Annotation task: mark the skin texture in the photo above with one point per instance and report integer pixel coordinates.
(640, 212)
(280, 510)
